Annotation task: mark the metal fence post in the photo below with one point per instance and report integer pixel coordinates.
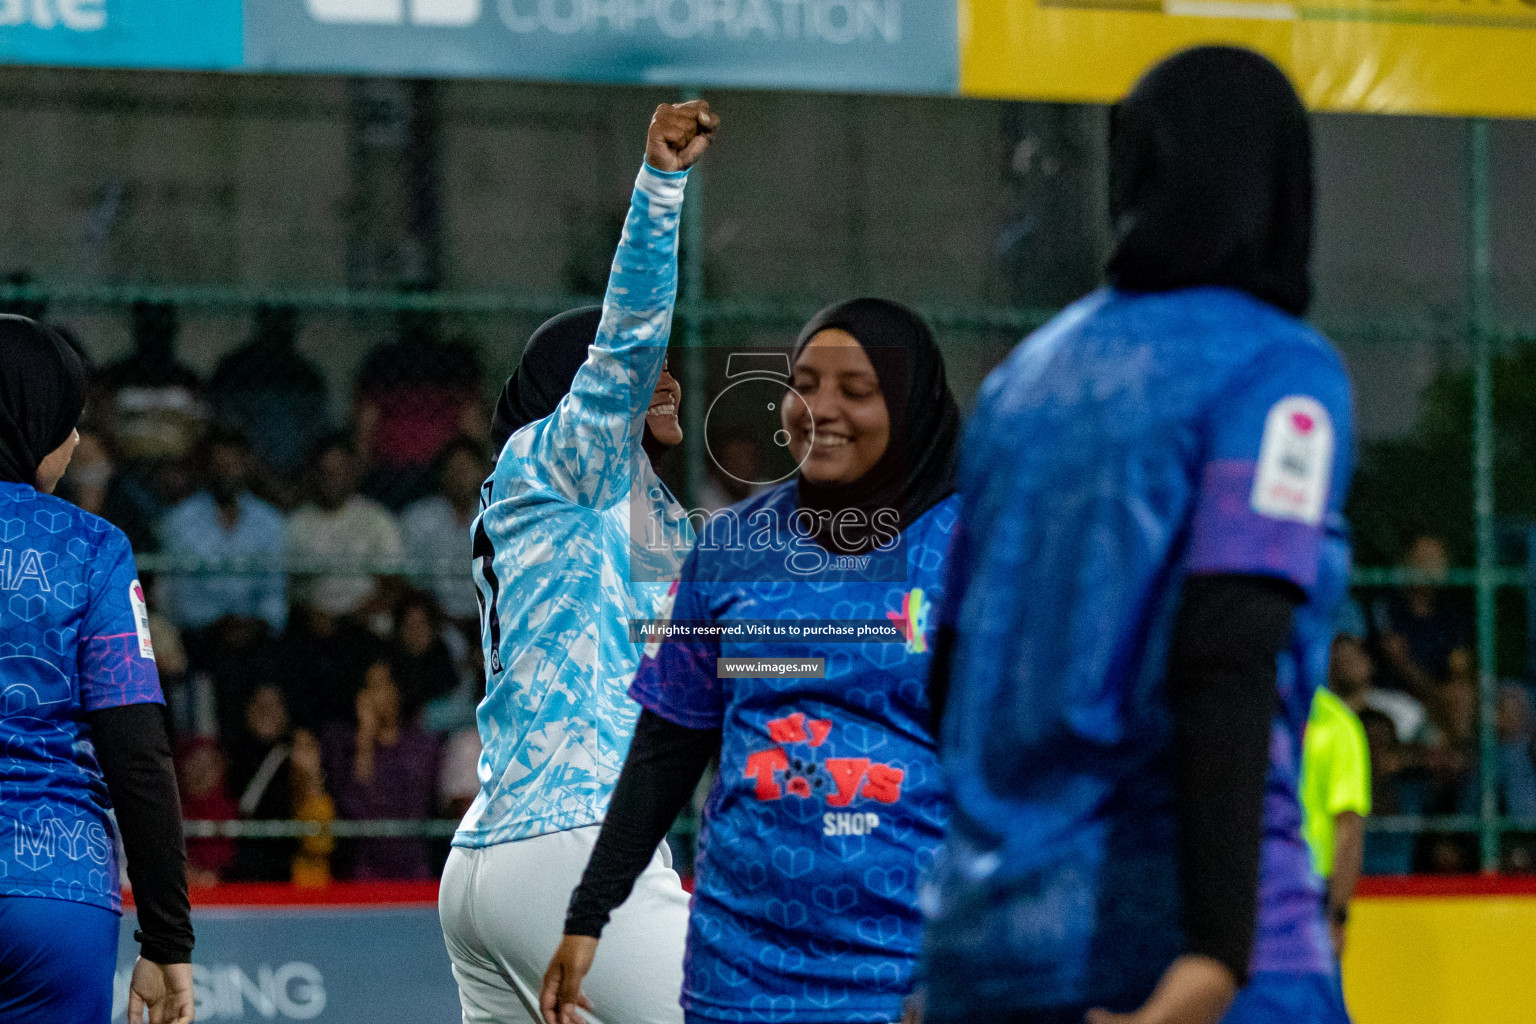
(1480, 326)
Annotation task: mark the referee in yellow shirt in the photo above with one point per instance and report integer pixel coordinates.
(1336, 771)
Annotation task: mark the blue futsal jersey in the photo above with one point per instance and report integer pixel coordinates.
(74, 638)
(829, 803)
(1133, 441)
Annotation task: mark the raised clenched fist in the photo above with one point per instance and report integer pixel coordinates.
(679, 135)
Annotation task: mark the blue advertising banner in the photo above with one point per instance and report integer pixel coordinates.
(844, 45)
(181, 34)
(332, 965)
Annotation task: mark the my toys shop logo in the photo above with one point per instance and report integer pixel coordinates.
(838, 781)
(912, 620)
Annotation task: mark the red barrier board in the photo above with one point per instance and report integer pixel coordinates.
(282, 894)
(1446, 885)
(337, 894)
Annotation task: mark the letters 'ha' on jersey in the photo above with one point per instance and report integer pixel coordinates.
(1134, 440)
(74, 638)
(577, 536)
(829, 803)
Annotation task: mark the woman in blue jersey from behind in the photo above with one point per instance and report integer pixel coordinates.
(81, 728)
(828, 803)
(562, 560)
(1152, 492)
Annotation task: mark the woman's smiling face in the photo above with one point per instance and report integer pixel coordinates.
(661, 417)
(852, 426)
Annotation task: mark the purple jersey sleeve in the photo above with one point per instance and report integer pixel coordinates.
(676, 679)
(1277, 462)
(117, 663)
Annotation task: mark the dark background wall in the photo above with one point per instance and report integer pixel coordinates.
(278, 182)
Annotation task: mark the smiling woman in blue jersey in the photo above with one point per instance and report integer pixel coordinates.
(82, 729)
(828, 804)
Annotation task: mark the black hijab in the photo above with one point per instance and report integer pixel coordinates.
(916, 471)
(1210, 179)
(545, 372)
(42, 394)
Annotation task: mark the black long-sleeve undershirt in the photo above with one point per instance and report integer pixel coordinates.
(664, 765)
(134, 752)
(1221, 684)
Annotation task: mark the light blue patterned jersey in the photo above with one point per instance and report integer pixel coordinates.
(577, 536)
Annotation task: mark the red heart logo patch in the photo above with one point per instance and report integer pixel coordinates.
(1302, 422)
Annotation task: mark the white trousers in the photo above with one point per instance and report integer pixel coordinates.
(503, 913)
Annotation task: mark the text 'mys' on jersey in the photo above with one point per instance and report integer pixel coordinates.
(829, 803)
(74, 637)
(1132, 441)
(576, 537)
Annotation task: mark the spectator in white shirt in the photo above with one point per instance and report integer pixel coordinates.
(352, 538)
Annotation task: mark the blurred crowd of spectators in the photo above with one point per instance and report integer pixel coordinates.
(1404, 662)
(344, 687)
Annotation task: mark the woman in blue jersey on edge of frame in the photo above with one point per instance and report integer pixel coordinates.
(829, 803)
(82, 730)
(1153, 545)
(561, 570)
